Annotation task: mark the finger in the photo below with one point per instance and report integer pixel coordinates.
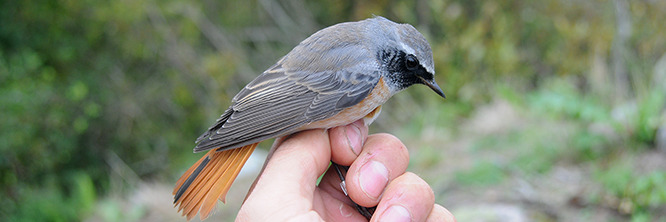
(407, 198)
(276, 144)
(440, 214)
(347, 141)
(293, 169)
(346, 144)
(330, 183)
(382, 159)
(337, 206)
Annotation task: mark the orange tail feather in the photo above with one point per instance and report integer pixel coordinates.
(209, 180)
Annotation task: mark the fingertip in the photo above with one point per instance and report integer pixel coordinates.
(389, 140)
(366, 180)
(373, 178)
(439, 214)
(347, 142)
(411, 192)
(396, 213)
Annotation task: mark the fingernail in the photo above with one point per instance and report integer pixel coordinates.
(345, 210)
(353, 134)
(373, 178)
(396, 213)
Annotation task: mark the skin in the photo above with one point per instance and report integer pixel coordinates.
(376, 177)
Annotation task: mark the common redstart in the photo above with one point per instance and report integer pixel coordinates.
(335, 77)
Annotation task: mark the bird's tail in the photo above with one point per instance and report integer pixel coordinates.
(209, 180)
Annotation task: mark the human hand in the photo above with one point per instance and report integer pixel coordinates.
(287, 189)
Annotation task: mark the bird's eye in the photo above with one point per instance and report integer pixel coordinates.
(411, 62)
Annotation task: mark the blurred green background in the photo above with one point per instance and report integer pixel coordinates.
(555, 109)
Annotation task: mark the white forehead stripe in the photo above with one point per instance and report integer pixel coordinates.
(428, 68)
(408, 49)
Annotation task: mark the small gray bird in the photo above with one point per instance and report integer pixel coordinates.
(335, 77)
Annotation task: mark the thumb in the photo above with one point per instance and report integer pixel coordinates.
(291, 172)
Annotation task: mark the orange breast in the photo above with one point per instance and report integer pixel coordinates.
(368, 108)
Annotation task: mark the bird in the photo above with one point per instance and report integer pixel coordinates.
(336, 76)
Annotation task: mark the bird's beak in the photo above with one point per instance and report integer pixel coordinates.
(433, 85)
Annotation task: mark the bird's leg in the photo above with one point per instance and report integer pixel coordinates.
(366, 212)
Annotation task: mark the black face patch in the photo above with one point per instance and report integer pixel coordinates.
(403, 69)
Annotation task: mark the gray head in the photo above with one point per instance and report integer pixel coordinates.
(397, 51)
(403, 52)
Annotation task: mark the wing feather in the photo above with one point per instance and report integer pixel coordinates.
(305, 86)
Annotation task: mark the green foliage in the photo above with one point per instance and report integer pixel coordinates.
(112, 211)
(588, 146)
(539, 159)
(649, 190)
(50, 204)
(426, 157)
(637, 192)
(648, 117)
(481, 174)
(79, 80)
(560, 99)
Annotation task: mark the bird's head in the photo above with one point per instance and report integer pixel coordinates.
(404, 54)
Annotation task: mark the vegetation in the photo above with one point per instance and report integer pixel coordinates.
(96, 95)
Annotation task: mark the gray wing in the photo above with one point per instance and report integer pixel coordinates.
(303, 87)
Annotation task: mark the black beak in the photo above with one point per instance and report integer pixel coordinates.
(433, 85)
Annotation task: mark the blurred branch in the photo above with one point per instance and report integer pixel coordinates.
(622, 34)
(221, 41)
(281, 17)
(185, 58)
(424, 17)
(181, 56)
(659, 73)
(121, 172)
(289, 30)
